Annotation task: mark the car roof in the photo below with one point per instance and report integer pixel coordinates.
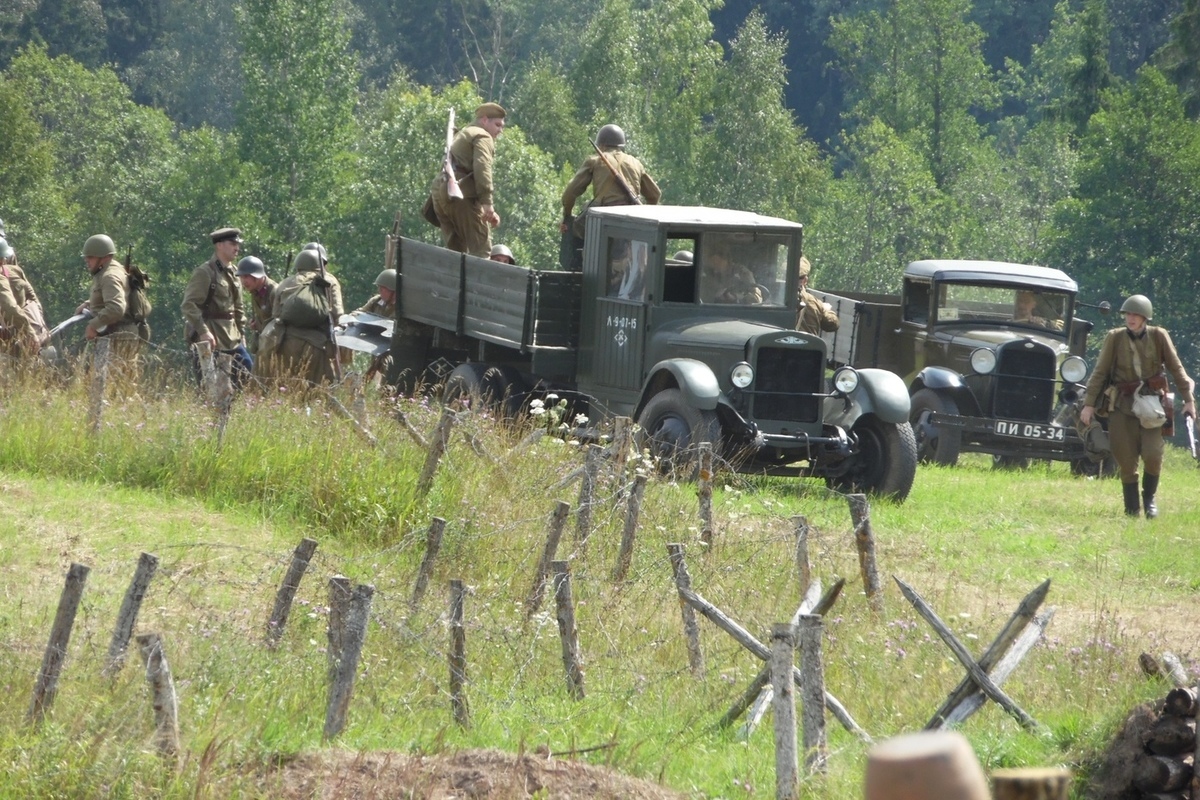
(694, 216)
(949, 269)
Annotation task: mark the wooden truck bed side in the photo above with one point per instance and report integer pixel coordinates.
(866, 336)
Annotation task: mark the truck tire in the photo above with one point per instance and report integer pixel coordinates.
(672, 430)
(464, 386)
(1012, 463)
(1086, 468)
(886, 462)
(502, 391)
(934, 445)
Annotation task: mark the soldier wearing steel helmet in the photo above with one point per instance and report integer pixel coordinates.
(384, 303)
(597, 170)
(1130, 357)
(502, 254)
(212, 306)
(252, 274)
(466, 222)
(22, 323)
(307, 347)
(109, 300)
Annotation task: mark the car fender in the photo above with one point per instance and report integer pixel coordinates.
(946, 381)
(879, 392)
(694, 379)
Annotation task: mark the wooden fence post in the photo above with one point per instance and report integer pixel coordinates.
(704, 491)
(458, 655)
(921, 766)
(558, 521)
(340, 593)
(625, 555)
(567, 632)
(621, 444)
(352, 641)
(437, 448)
(803, 565)
(127, 618)
(1031, 783)
(301, 557)
(222, 391)
(587, 494)
(691, 630)
(433, 545)
(100, 361)
(812, 682)
(46, 686)
(162, 690)
(787, 766)
(864, 538)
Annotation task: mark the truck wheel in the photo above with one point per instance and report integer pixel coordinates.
(1086, 468)
(1010, 462)
(885, 463)
(671, 430)
(502, 391)
(464, 386)
(934, 445)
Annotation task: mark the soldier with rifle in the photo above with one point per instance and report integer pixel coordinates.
(306, 305)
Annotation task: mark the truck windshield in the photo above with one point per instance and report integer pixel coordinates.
(1002, 305)
(743, 269)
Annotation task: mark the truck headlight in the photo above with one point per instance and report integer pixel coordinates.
(741, 375)
(983, 361)
(1074, 369)
(845, 380)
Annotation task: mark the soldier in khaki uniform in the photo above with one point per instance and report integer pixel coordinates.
(109, 300)
(19, 336)
(252, 274)
(606, 188)
(212, 306)
(307, 349)
(466, 223)
(1131, 355)
(812, 315)
(384, 303)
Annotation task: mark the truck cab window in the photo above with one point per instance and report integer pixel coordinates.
(916, 302)
(626, 269)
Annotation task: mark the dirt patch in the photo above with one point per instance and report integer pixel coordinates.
(338, 775)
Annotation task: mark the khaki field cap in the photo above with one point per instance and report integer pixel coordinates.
(490, 111)
(805, 267)
(226, 235)
(99, 246)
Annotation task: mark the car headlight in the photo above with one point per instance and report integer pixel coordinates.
(845, 380)
(1074, 369)
(983, 361)
(741, 375)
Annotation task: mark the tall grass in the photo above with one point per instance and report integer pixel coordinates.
(224, 516)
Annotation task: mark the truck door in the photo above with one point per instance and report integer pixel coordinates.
(621, 315)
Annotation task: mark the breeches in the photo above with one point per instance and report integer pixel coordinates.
(1131, 441)
(462, 229)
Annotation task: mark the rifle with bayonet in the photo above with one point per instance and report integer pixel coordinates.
(1190, 422)
(620, 179)
(452, 187)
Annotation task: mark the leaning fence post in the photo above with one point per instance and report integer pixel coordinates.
(127, 618)
(567, 631)
(301, 557)
(343, 686)
(787, 766)
(222, 391)
(433, 544)
(587, 494)
(437, 448)
(812, 682)
(558, 521)
(704, 491)
(100, 360)
(340, 592)
(162, 689)
(208, 378)
(458, 655)
(46, 686)
(621, 441)
(864, 538)
(625, 554)
(803, 565)
(691, 630)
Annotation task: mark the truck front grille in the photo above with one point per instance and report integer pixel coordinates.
(787, 383)
(1024, 383)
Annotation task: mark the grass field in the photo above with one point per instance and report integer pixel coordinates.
(224, 518)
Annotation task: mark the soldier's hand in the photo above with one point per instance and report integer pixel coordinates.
(1189, 409)
(1085, 416)
(90, 333)
(562, 227)
(488, 214)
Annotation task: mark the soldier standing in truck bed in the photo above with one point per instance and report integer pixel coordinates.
(606, 187)
(812, 315)
(466, 223)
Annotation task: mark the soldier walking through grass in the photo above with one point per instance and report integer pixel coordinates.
(212, 307)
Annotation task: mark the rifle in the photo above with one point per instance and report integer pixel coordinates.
(1190, 422)
(633, 198)
(452, 187)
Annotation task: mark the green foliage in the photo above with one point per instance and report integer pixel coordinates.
(1179, 58)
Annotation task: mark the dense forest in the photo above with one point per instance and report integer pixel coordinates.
(1060, 133)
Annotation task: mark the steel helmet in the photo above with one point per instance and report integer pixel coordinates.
(502, 250)
(320, 248)
(611, 136)
(683, 255)
(1138, 304)
(252, 266)
(5, 250)
(387, 279)
(308, 261)
(99, 245)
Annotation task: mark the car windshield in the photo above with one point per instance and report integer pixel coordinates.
(744, 269)
(1002, 305)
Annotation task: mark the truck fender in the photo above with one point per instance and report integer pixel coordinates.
(949, 382)
(883, 394)
(694, 379)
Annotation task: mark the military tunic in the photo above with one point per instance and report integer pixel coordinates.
(110, 309)
(27, 299)
(1128, 438)
(304, 352)
(260, 304)
(223, 316)
(812, 315)
(606, 191)
(376, 306)
(472, 152)
(17, 335)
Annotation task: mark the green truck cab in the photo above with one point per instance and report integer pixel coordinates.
(681, 319)
(993, 354)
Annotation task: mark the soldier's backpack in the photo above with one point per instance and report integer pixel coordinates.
(305, 303)
(138, 305)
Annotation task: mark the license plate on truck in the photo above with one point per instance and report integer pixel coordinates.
(1030, 430)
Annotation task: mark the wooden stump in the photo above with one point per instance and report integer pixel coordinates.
(924, 766)
(1045, 783)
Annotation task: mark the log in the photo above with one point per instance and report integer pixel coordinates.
(704, 492)
(787, 762)
(301, 557)
(864, 539)
(1171, 736)
(342, 689)
(1153, 773)
(437, 448)
(558, 521)
(1181, 702)
(46, 687)
(816, 744)
(587, 494)
(567, 631)
(433, 545)
(127, 617)
(1174, 670)
(1031, 783)
(632, 513)
(458, 655)
(162, 690)
(691, 631)
(936, 765)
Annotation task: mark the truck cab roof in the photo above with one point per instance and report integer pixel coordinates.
(943, 269)
(695, 216)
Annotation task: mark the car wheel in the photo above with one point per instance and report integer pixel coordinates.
(934, 445)
(1010, 462)
(885, 462)
(672, 431)
(1086, 468)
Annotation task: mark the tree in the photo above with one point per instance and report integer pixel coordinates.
(1179, 59)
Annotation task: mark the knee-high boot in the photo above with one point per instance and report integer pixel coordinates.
(1131, 498)
(1149, 488)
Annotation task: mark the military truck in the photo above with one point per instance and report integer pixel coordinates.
(993, 355)
(644, 331)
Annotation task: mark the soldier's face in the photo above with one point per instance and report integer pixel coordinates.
(227, 251)
(251, 283)
(493, 125)
(1135, 322)
(386, 294)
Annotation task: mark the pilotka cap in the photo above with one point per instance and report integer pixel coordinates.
(490, 111)
(226, 235)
